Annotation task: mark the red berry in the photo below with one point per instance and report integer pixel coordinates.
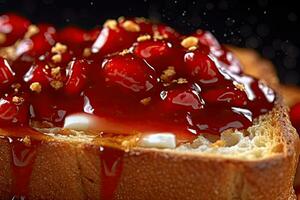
(206, 38)
(77, 76)
(295, 116)
(160, 54)
(71, 35)
(113, 40)
(202, 67)
(129, 72)
(13, 110)
(184, 98)
(167, 32)
(228, 95)
(6, 73)
(13, 27)
(39, 72)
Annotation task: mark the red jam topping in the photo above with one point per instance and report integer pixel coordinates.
(131, 71)
(295, 116)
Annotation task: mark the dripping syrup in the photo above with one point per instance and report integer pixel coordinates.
(111, 170)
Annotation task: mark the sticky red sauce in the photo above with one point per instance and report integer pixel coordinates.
(23, 158)
(111, 169)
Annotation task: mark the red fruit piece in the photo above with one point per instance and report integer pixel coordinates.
(39, 72)
(77, 76)
(13, 27)
(184, 98)
(39, 43)
(115, 38)
(129, 73)
(227, 95)
(167, 32)
(200, 66)
(160, 54)
(71, 35)
(295, 116)
(206, 38)
(6, 73)
(13, 109)
(228, 60)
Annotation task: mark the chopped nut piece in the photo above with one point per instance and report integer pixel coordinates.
(181, 81)
(59, 48)
(145, 101)
(158, 36)
(121, 19)
(32, 30)
(111, 23)
(192, 48)
(218, 143)
(130, 26)
(55, 72)
(16, 86)
(56, 58)
(143, 38)
(36, 87)
(56, 84)
(2, 38)
(27, 141)
(8, 53)
(124, 52)
(17, 100)
(189, 42)
(86, 52)
(168, 74)
(239, 86)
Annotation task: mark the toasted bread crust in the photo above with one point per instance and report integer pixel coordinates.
(71, 170)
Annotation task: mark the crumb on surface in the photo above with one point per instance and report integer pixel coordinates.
(145, 101)
(143, 38)
(56, 58)
(36, 87)
(131, 26)
(55, 72)
(56, 84)
(59, 48)
(111, 24)
(27, 141)
(2, 38)
(17, 100)
(86, 52)
(32, 30)
(168, 74)
(189, 42)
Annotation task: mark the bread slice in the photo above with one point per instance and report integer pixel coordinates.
(257, 163)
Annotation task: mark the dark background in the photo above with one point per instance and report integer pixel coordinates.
(271, 27)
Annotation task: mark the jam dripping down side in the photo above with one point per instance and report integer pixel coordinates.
(111, 161)
(23, 154)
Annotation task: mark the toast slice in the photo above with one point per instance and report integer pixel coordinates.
(259, 163)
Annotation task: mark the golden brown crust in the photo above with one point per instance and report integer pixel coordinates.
(71, 170)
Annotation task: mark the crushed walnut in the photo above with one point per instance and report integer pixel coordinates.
(59, 48)
(192, 48)
(56, 58)
(111, 24)
(181, 81)
(239, 86)
(36, 87)
(27, 141)
(168, 74)
(130, 26)
(17, 100)
(145, 101)
(55, 72)
(189, 42)
(2, 38)
(158, 36)
(124, 52)
(56, 84)
(143, 38)
(86, 52)
(32, 30)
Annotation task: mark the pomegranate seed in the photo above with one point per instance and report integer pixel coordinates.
(129, 72)
(13, 27)
(39, 72)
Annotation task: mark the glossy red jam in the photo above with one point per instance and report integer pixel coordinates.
(135, 74)
(295, 116)
(132, 72)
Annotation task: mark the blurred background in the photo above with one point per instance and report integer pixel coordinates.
(270, 27)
